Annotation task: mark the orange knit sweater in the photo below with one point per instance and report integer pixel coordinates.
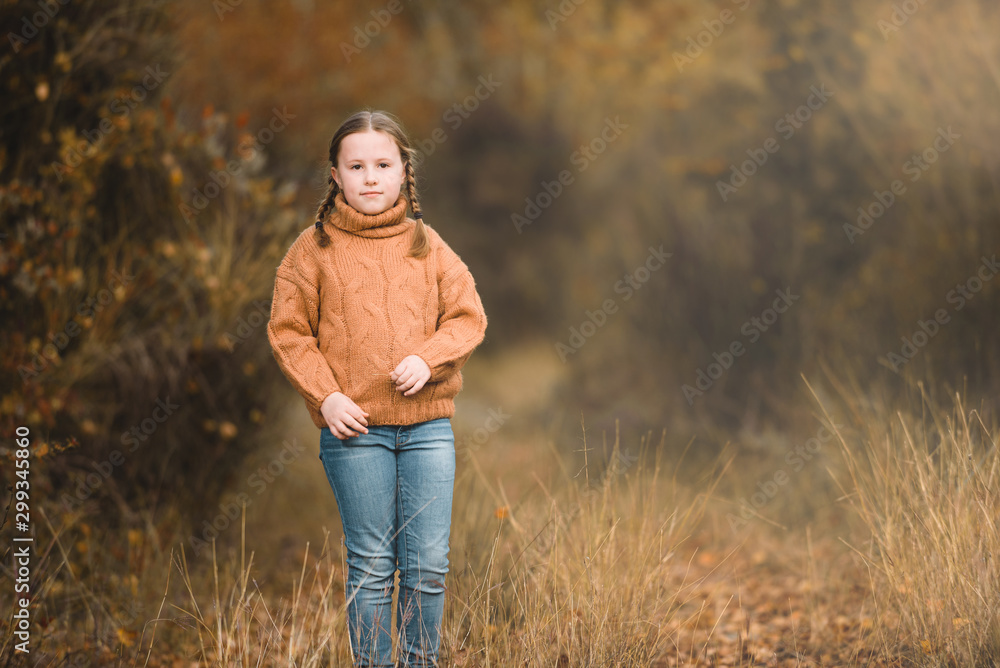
(343, 317)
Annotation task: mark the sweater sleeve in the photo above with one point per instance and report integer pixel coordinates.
(293, 327)
(461, 318)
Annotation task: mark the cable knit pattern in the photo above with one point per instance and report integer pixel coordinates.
(343, 317)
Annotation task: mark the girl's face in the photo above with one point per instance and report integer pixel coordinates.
(369, 170)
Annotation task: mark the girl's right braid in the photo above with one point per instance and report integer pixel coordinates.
(322, 237)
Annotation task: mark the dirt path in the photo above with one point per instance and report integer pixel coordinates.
(772, 605)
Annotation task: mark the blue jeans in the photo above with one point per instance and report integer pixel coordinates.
(394, 489)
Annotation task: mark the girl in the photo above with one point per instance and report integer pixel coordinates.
(373, 317)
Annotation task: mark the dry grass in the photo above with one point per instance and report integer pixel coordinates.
(612, 558)
(591, 568)
(924, 482)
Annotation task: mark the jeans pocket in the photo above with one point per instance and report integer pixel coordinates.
(327, 441)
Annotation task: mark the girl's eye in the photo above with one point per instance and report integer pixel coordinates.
(384, 164)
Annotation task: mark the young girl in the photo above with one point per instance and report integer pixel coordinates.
(373, 317)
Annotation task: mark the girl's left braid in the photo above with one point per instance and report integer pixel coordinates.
(421, 244)
(411, 192)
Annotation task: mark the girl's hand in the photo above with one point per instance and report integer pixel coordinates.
(410, 375)
(344, 417)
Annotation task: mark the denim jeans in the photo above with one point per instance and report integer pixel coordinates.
(394, 489)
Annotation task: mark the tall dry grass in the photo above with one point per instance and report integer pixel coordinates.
(588, 571)
(597, 560)
(923, 481)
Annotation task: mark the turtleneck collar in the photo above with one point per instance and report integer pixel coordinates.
(386, 224)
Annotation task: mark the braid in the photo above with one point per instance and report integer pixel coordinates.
(321, 236)
(421, 244)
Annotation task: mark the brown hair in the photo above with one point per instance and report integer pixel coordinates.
(381, 121)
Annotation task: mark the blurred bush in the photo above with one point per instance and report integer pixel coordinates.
(137, 266)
